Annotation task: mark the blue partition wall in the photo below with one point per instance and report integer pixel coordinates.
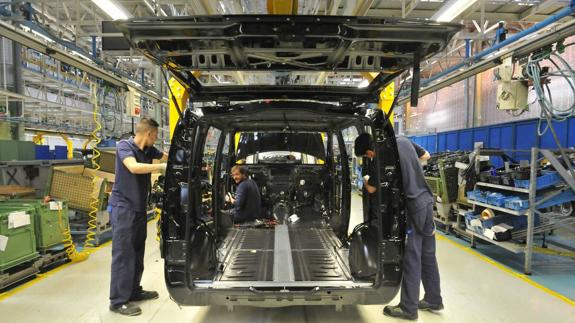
(521, 135)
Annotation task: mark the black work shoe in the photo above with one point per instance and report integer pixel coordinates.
(425, 306)
(127, 309)
(396, 311)
(144, 295)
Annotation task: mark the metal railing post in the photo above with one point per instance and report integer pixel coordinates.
(531, 212)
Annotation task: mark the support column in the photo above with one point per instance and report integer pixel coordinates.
(478, 100)
(15, 109)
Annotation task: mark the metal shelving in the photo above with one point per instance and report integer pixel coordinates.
(503, 187)
(510, 246)
(497, 208)
(567, 176)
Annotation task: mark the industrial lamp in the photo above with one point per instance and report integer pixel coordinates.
(452, 9)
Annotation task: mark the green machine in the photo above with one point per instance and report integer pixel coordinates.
(445, 185)
(442, 177)
(47, 217)
(17, 236)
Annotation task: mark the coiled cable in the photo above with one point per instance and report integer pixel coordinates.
(69, 245)
(95, 200)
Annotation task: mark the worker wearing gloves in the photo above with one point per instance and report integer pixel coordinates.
(128, 203)
(419, 261)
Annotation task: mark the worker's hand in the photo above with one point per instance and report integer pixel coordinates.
(162, 167)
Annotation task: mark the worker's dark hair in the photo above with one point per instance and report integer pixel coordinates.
(147, 124)
(362, 143)
(242, 169)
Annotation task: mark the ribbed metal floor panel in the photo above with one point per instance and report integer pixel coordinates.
(262, 239)
(253, 265)
(252, 258)
(316, 265)
(305, 239)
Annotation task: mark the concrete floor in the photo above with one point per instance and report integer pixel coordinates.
(474, 290)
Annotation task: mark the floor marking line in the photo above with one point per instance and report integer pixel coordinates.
(508, 270)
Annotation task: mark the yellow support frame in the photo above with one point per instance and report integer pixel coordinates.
(39, 139)
(181, 95)
(282, 7)
(386, 96)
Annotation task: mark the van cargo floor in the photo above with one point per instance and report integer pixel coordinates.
(282, 254)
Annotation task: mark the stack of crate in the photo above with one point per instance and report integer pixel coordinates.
(50, 220)
(30, 228)
(17, 236)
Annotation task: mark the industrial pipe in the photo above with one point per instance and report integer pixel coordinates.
(567, 11)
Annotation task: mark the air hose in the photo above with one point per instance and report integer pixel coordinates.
(95, 200)
(71, 251)
(158, 218)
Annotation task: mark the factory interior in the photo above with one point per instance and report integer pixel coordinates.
(287, 161)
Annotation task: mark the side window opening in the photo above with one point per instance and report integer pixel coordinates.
(207, 171)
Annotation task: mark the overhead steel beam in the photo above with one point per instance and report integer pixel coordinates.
(363, 6)
(360, 9)
(542, 6)
(408, 7)
(332, 7)
(424, 13)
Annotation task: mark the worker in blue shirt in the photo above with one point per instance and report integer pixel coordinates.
(128, 203)
(419, 261)
(247, 203)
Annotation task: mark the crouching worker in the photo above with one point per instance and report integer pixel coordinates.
(247, 202)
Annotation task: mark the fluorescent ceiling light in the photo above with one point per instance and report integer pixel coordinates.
(135, 83)
(112, 9)
(364, 83)
(81, 55)
(46, 38)
(451, 9)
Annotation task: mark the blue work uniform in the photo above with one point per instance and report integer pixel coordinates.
(128, 203)
(247, 206)
(419, 261)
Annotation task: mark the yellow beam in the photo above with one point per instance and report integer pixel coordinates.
(282, 7)
(181, 95)
(69, 144)
(386, 96)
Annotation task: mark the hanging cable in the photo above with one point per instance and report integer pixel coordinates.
(109, 112)
(549, 111)
(172, 94)
(95, 200)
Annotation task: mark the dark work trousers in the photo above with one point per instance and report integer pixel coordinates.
(420, 265)
(128, 244)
